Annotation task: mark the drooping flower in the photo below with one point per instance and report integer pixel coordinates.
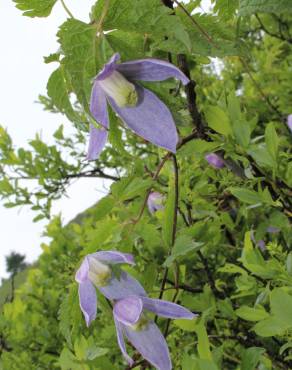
(131, 320)
(289, 122)
(273, 229)
(262, 245)
(155, 202)
(96, 271)
(214, 160)
(140, 109)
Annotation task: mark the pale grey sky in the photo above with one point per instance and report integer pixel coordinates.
(23, 76)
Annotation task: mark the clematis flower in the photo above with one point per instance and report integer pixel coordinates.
(273, 230)
(154, 202)
(262, 245)
(131, 320)
(214, 160)
(140, 109)
(96, 271)
(289, 122)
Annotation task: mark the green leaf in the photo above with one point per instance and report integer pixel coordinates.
(78, 42)
(252, 313)
(58, 92)
(218, 120)
(248, 7)
(251, 357)
(35, 8)
(183, 245)
(280, 319)
(203, 342)
(103, 207)
(240, 127)
(272, 141)
(246, 195)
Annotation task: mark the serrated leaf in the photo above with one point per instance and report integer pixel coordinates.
(78, 42)
(248, 7)
(59, 93)
(35, 8)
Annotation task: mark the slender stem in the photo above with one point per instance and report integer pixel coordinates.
(174, 226)
(190, 90)
(154, 177)
(103, 15)
(67, 10)
(200, 28)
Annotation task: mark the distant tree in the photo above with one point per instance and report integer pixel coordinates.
(15, 262)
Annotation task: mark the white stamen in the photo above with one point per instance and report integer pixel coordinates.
(99, 273)
(120, 89)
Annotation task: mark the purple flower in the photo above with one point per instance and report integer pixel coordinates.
(262, 245)
(214, 160)
(141, 110)
(131, 320)
(289, 122)
(154, 202)
(273, 230)
(96, 272)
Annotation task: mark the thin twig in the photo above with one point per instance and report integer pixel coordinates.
(174, 227)
(280, 37)
(154, 177)
(263, 95)
(198, 26)
(67, 10)
(190, 90)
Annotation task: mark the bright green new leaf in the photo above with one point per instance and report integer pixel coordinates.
(35, 8)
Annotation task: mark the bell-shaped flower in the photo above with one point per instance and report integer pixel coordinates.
(155, 202)
(139, 108)
(131, 320)
(98, 271)
(214, 160)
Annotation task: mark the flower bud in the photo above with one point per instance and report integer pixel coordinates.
(120, 90)
(99, 273)
(214, 160)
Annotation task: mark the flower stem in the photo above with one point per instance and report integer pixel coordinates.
(103, 15)
(67, 10)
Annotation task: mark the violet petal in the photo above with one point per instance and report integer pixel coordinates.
(97, 141)
(151, 344)
(166, 309)
(114, 257)
(82, 273)
(98, 105)
(214, 160)
(109, 67)
(87, 300)
(154, 202)
(128, 310)
(121, 342)
(151, 70)
(150, 119)
(122, 287)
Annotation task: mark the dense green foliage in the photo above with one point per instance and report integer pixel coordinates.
(242, 293)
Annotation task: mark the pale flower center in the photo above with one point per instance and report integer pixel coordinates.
(120, 90)
(141, 324)
(99, 273)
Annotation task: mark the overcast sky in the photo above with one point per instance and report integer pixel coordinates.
(23, 76)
